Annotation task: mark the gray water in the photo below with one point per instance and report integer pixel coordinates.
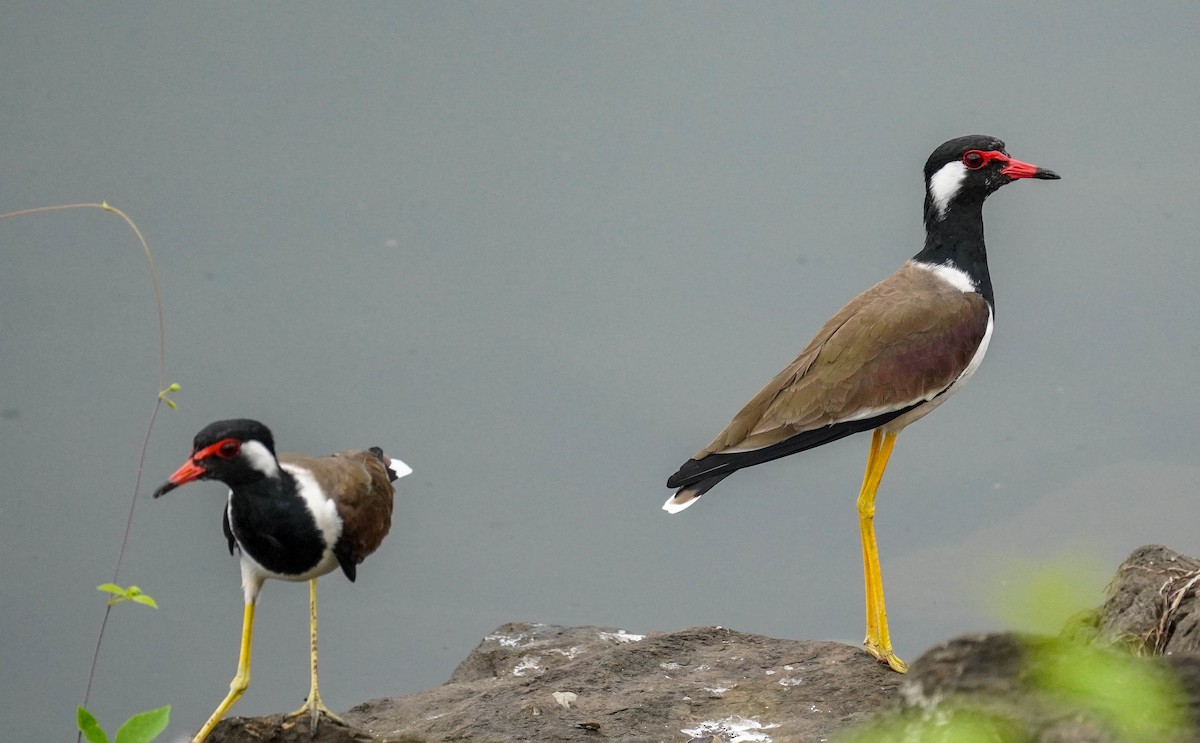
(543, 252)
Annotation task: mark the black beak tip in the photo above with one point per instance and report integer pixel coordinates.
(1046, 175)
(163, 489)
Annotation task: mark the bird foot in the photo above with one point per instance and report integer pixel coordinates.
(315, 709)
(886, 655)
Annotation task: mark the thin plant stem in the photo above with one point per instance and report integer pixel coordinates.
(158, 304)
(159, 399)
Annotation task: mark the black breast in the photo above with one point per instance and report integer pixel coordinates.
(272, 525)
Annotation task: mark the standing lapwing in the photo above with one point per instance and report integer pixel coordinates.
(292, 518)
(896, 352)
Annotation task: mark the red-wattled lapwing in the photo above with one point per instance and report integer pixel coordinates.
(290, 517)
(893, 354)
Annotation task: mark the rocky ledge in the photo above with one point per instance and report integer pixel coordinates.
(537, 682)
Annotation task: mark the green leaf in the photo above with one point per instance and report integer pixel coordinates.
(144, 599)
(1138, 700)
(1038, 597)
(954, 721)
(144, 726)
(89, 727)
(118, 594)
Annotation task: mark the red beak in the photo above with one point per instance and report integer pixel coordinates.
(1017, 169)
(185, 474)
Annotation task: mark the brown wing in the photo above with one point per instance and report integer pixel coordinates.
(901, 342)
(359, 484)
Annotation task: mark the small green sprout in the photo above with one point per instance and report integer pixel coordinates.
(162, 395)
(141, 728)
(132, 593)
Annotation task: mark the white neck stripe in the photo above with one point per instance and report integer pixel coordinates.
(260, 458)
(944, 185)
(951, 274)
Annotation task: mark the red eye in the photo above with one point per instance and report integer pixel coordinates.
(974, 159)
(229, 448)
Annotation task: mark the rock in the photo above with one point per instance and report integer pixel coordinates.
(703, 683)
(1152, 604)
(281, 729)
(544, 683)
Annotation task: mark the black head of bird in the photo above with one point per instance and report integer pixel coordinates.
(966, 170)
(231, 451)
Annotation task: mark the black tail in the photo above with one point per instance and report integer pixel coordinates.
(392, 476)
(707, 472)
(688, 495)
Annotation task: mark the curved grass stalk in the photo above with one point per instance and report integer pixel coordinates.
(163, 389)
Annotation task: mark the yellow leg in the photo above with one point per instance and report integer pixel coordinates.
(313, 706)
(240, 681)
(878, 641)
(872, 598)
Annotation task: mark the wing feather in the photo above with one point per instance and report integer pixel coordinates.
(901, 342)
(360, 485)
